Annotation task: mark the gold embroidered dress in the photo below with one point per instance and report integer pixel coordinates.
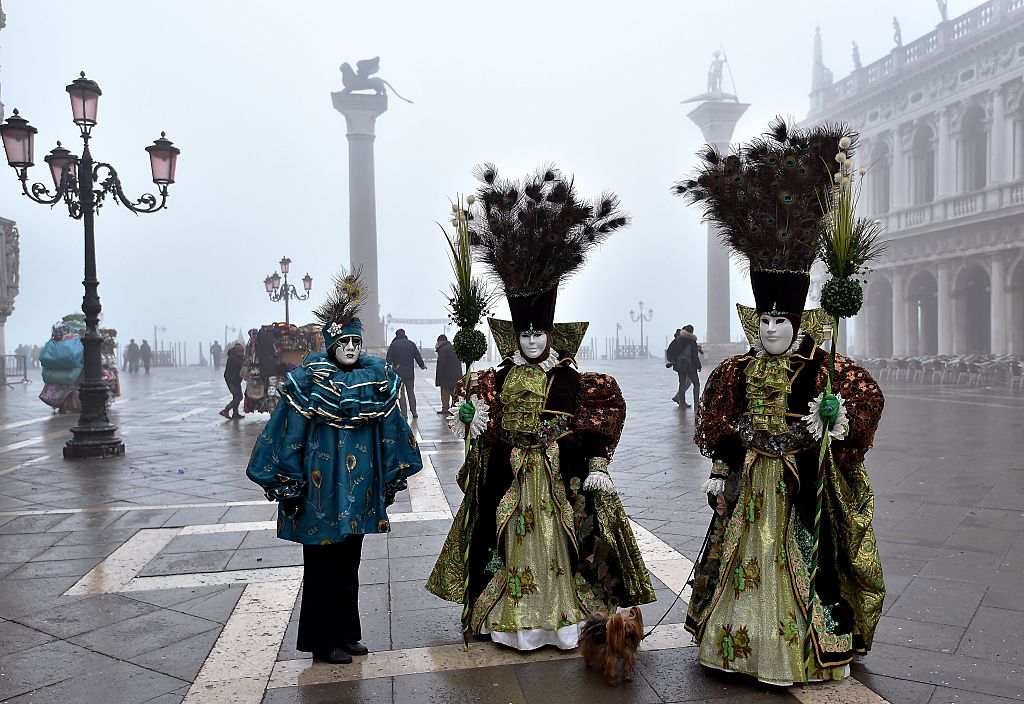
(750, 604)
(531, 554)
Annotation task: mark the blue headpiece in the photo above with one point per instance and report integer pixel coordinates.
(338, 314)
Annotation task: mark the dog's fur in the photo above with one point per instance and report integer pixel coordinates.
(611, 642)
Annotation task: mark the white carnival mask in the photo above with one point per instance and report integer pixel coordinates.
(775, 333)
(346, 350)
(533, 343)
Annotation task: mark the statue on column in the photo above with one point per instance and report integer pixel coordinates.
(715, 73)
(362, 78)
(943, 9)
(897, 33)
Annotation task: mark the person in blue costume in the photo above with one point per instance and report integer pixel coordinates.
(333, 455)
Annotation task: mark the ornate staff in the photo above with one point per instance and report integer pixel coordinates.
(847, 245)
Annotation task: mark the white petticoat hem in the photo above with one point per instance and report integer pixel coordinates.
(771, 682)
(565, 638)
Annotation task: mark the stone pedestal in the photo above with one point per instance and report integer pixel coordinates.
(361, 112)
(717, 120)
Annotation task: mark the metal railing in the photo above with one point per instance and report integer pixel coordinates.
(14, 370)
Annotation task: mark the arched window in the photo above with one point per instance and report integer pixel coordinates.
(922, 166)
(973, 151)
(881, 177)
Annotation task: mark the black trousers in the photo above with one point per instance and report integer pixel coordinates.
(685, 379)
(329, 615)
(236, 396)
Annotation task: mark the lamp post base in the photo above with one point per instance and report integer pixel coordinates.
(93, 442)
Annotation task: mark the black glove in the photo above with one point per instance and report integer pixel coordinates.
(392, 488)
(668, 365)
(291, 507)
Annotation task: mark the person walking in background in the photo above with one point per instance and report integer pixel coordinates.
(403, 354)
(35, 355)
(145, 355)
(131, 356)
(233, 378)
(215, 352)
(448, 371)
(683, 355)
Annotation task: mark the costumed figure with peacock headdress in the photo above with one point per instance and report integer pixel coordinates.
(541, 540)
(333, 455)
(786, 426)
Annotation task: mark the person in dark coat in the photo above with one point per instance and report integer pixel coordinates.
(145, 355)
(448, 372)
(215, 352)
(131, 356)
(403, 354)
(233, 378)
(683, 355)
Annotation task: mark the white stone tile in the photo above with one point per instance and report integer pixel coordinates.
(120, 568)
(204, 579)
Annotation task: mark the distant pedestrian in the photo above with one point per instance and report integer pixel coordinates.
(683, 355)
(131, 356)
(36, 351)
(448, 371)
(403, 354)
(145, 355)
(215, 353)
(233, 378)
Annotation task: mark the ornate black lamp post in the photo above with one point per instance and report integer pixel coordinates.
(83, 185)
(278, 291)
(642, 319)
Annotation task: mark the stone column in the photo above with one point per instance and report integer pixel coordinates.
(944, 149)
(997, 305)
(899, 315)
(898, 185)
(861, 328)
(999, 145)
(361, 112)
(10, 258)
(945, 309)
(717, 120)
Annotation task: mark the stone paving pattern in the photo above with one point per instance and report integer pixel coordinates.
(947, 468)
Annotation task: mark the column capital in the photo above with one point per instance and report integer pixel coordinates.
(717, 119)
(361, 111)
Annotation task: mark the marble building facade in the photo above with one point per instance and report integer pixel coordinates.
(942, 129)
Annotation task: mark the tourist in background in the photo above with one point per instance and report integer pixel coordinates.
(233, 378)
(448, 371)
(403, 355)
(215, 353)
(131, 356)
(683, 355)
(145, 356)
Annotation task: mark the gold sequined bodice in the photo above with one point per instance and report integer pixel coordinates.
(768, 386)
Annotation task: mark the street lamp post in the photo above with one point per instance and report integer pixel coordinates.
(635, 317)
(278, 291)
(83, 184)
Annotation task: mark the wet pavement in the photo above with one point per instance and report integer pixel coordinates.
(157, 577)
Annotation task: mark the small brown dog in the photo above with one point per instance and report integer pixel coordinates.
(612, 641)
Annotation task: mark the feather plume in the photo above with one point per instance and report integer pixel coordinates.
(346, 297)
(765, 197)
(535, 233)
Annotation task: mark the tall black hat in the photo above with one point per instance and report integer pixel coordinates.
(767, 201)
(535, 234)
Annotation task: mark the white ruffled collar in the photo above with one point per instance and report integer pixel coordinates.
(760, 351)
(549, 362)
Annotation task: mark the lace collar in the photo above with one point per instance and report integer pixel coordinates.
(549, 363)
(759, 350)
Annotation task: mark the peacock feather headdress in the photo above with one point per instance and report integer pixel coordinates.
(339, 313)
(535, 233)
(766, 199)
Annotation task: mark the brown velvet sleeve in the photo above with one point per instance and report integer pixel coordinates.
(600, 414)
(864, 403)
(485, 386)
(721, 406)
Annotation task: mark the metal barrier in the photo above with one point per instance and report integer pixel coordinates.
(14, 371)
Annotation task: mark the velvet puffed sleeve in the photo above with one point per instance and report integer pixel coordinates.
(484, 385)
(864, 403)
(600, 415)
(721, 406)
(276, 463)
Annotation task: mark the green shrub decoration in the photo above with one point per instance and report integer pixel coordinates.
(842, 298)
(470, 345)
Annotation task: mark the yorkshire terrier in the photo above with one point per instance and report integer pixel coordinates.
(612, 642)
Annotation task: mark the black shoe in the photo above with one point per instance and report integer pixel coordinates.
(415, 415)
(336, 656)
(482, 637)
(355, 648)
(440, 413)
(684, 404)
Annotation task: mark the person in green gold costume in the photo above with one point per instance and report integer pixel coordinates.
(758, 422)
(333, 455)
(541, 540)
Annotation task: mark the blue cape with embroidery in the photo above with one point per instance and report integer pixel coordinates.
(320, 391)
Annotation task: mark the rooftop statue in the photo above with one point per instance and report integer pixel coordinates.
(362, 78)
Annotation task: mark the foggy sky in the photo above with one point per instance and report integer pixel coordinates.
(243, 88)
